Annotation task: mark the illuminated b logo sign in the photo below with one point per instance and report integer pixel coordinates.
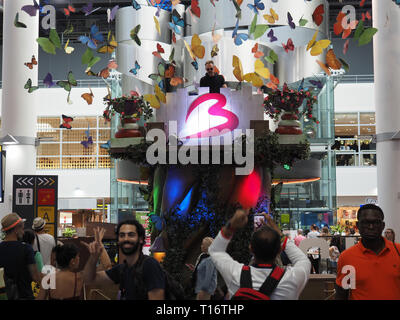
(215, 110)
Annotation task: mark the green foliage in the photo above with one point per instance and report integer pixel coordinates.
(337, 229)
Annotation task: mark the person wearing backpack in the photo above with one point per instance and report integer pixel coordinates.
(263, 280)
(140, 277)
(17, 259)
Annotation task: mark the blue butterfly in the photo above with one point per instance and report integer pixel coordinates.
(258, 5)
(135, 5)
(195, 64)
(290, 20)
(177, 21)
(95, 36)
(271, 36)
(158, 221)
(239, 37)
(106, 146)
(135, 69)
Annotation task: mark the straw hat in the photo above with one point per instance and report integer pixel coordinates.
(38, 224)
(11, 221)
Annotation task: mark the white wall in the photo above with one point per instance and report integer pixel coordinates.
(354, 97)
(356, 181)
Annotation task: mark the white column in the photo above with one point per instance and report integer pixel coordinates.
(18, 106)
(386, 18)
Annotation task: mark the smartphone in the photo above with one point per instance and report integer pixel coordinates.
(258, 221)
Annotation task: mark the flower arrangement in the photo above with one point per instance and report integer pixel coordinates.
(132, 106)
(289, 100)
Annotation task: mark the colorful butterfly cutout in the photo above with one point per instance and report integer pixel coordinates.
(66, 122)
(302, 22)
(17, 23)
(48, 80)
(290, 21)
(160, 50)
(32, 63)
(239, 37)
(160, 76)
(364, 35)
(317, 83)
(110, 46)
(94, 37)
(273, 83)
(177, 22)
(70, 9)
(68, 84)
(155, 99)
(289, 46)
(332, 61)
(258, 5)
(257, 54)
(318, 14)
(272, 17)
(88, 142)
(194, 8)
(31, 9)
(135, 69)
(111, 13)
(29, 87)
(324, 67)
(50, 44)
(272, 57)
(157, 24)
(135, 5)
(87, 10)
(366, 15)
(338, 26)
(106, 145)
(317, 47)
(134, 35)
(89, 59)
(271, 36)
(214, 50)
(196, 49)
(88, 97)
(104, 73)
(255, 77)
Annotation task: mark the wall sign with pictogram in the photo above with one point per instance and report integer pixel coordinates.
(36, 196)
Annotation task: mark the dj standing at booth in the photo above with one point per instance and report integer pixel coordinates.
(212, 80)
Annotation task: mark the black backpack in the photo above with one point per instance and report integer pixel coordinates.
(11, 284)
(246, 291)
(173, 289)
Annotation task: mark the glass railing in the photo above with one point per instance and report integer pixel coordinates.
(352, 158)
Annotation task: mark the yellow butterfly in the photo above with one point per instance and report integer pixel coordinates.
(195, 49)
(272, 18)
(255, 77)
(68, 50)
(175, 2)
(214, 50)
(317, 47)
(157, 25)
(261, 70)
(110, 46)
(157, 98)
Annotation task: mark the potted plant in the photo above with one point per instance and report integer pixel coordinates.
(130, 108)
(285, 104)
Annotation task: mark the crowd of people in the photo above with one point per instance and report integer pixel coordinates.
(26, 254)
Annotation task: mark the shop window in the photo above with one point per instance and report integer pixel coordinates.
(367, 130)
(367, 118)
(346, 131)
(346, 118)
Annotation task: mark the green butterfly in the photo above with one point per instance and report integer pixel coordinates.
(364, 35)
(272, 58)
(302, 22)
(50, 44)
(17, 23)
(68, 84)
(89, 59)
(257, 29)
(134, 35)
(68, 30)
(28, 85)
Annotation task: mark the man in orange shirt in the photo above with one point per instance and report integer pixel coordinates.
(369, 270)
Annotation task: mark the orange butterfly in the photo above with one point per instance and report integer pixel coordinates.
(160, 49)
(318, 15)
(32, 63)
(332, 61)
(366, 15)
(194, 7)
(88, 97)
(324, 67)
(338, 27)
(68, 11)
(170, 74)
(257, 54)
(273, 84)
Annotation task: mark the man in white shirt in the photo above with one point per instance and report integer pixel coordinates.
(46, 241)
(265, 245)
(314, 258)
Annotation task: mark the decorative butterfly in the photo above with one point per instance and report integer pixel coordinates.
(104, 73)
(338, 26)
(175, 2)
(29, 87)
(50, 44)
(17, 23)
(214, 50)
(316, 83)
(155, 99)
(135, 5)
(257, 30)
(324, 67)
(89, 141)
(157, 24)
(158, 221)
(255, 77)
(290, 21)
(239, 37)
(110, 46)
(48, 80)
(67, 49)
(68, 84)
(317, 47)
(134, 35)
(89, 59)
(135, 69)
(274, 82)
(112, 64)
(111, 13)
(173, 37)
(257, 54)
(272, 17)
(364, 35)
(332, 61)
(196, 50)
(32, 63)
(66, 122)
(31, 9)
(195, 9)
(363, 2)
(160, 76)
(94, 37)
(272, 57)
(258, 5)
(88, 97)
(289, 46)
(177, 22)
(318, 14)
(69, 10)
(195, 65)
(106, 145)
(158, 11)
(271, 36)
(89, 9)
(160, 49)
(302, 22)
(366, 16)
(69, 29)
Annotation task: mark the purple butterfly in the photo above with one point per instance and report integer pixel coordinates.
(290, 20)
(271, 36)
(48, 80)
(31, 10)
(111, 13)
(89, 9)
(87, 142)
(316, 83)
(158, 11)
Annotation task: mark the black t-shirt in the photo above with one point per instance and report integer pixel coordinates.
(153, 278)
(214, 83)
(15, 257)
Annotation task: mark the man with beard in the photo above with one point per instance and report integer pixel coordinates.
(140, 277)
(17, 259)
(369, 270)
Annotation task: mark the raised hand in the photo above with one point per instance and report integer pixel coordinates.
(239, 219)
(270, 222)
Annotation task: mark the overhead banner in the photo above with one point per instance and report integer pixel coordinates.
(36, 196)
